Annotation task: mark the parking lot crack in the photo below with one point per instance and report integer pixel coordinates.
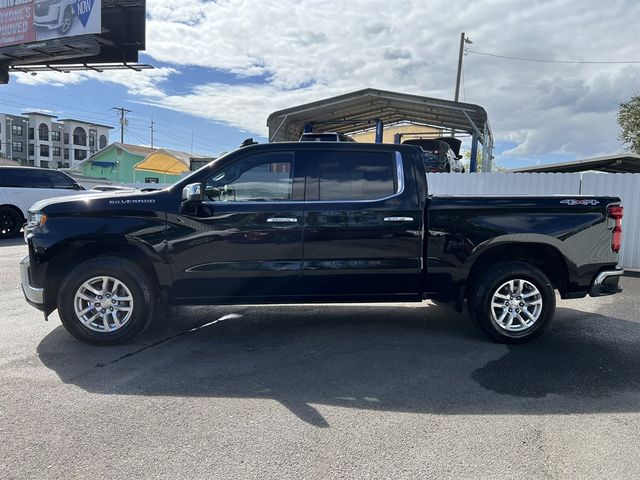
(166, 339)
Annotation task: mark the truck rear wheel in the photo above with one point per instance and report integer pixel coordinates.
(513, 302)
(105, 301)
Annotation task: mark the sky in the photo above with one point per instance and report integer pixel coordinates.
(223, 66)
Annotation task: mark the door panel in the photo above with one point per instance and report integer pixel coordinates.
(245, 240)
(361, 246)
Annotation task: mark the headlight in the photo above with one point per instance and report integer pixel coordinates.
(37, 218)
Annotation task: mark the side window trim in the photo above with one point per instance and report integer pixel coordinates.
(399, 191)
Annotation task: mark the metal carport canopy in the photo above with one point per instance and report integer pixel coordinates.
(347, 113)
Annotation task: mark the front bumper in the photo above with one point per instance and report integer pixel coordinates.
(606, 283)
(49, 18)
(34, 295)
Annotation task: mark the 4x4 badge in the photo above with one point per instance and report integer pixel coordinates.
(587, 201)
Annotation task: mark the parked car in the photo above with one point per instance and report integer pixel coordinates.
(55, 14)
(325, 137)
(309, 222)
(438, 155)
(21, 187)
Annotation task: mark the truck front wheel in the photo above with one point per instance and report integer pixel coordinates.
(512, 302)
(105, 301)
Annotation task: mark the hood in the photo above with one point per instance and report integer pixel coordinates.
(454, 143)
(86, 201)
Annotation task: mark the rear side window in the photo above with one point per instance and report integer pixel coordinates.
(26, 178)
(60, 180)
(352, 175)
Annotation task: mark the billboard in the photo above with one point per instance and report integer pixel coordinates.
(26, 21)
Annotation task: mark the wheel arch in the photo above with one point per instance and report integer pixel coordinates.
(546, 257)
(68, 256)
(16, 208)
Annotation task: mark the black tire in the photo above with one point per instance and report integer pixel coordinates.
(128, 273)
(447, 168)
(67, 21)
(484, 289)
(10, 222)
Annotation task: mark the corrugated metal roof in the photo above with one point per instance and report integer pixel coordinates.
(616, 163)
(350, 112)
(162, 162)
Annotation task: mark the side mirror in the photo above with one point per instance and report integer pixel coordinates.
(77, 186)
(192, 193)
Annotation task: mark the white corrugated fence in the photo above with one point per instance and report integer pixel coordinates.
(623, 185)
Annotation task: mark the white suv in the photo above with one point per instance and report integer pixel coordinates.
(21, 187)
(54, 14)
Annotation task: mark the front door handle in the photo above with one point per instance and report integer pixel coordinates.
(282, 220)
(398, 219)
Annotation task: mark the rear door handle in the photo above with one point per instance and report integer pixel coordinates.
(282, 220)
(398, 219)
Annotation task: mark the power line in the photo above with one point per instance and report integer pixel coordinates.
(540, 60)
(104, 115)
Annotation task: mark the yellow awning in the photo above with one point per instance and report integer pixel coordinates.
(161, 162)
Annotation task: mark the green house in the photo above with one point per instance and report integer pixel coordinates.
(115, 163)
(126, 163)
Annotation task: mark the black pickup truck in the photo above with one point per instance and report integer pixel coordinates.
(316, 222)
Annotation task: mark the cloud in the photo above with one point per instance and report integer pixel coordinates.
(145, 82)
(306, 50)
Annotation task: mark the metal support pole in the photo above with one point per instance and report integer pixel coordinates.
(397, 138)
(473, 164)
(460, 53)
(486, 161)
(379, 130)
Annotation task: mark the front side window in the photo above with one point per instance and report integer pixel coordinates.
(352, 175)
(266, 177)
(60, 180)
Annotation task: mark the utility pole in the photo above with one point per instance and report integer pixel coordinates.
(192, 141)
(151, 127)
(463, 40)
(123, 120)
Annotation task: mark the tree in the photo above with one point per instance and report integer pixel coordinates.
(466, 161)
(629, 121)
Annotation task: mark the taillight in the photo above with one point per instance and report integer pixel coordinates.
(616, 213)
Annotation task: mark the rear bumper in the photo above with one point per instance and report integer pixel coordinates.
(33, 295)
(606, 283)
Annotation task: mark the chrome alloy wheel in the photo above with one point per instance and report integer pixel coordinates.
(103, 304)
(516, 305)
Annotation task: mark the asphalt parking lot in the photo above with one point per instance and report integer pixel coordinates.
(302, 392)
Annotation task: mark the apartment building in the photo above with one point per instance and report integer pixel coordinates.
(43, 140)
